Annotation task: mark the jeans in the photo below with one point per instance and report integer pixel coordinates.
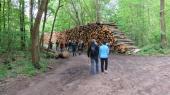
(70, 49)
(104, 64)
(94, 66)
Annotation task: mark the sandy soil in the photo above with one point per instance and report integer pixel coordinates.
(128, 75)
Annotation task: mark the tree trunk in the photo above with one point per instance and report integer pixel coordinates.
(39, 2)
(4, 16)
(76, 13)
(0, 22)
(162, 24)
(35, 35)
(22, 24)
(97, 11)
(8, 23)
(59, 5)
(45, 17)
(9, 1)
(31, 16)
(149, 20)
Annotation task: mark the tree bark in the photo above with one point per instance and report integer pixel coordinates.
(9, 1)
(45, 17)
(8, 23)
(59, 5)
(31, 16)
(22, 24)
(162, 24)
(39, 2)
(35, 35)
(4, 24)
(149, 20)
(0, 21)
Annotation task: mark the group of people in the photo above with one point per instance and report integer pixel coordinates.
(71, 46)
(96, 52)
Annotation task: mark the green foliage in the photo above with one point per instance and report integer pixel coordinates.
(21, 66)
(140, 19)
(154, 49)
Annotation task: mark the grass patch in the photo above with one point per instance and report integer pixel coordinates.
(21, 66)
(154, 49)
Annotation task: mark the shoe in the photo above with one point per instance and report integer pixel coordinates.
(106, 72)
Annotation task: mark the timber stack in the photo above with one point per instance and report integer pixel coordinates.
(88, 32)
(117, 40)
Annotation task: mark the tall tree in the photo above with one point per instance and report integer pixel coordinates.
(162, 24)
(0, 21)
(9, 25)
(58, 7)
(35, 35)
(39, 2)
(4, 24)
(76, 12)
(97, 11)
(31, 15)
(44, 22)
(22, 23)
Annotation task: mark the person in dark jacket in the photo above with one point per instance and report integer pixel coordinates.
(50, 45)
(57, 44)
(74, 48)
(80, 47)
(61, 47)
(93, 54)
(69, 45)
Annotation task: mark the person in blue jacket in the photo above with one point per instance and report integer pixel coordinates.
(104, 54)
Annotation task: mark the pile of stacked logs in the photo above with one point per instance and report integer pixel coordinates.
(57, 36)
(122, 44)
(117, 40)
(90, 31)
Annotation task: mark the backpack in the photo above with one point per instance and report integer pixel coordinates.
(93, 49)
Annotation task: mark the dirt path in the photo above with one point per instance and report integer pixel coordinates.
(128, 75)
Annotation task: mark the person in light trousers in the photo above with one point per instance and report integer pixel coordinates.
(93, 54)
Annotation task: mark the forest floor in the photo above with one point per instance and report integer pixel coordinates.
(128, 75)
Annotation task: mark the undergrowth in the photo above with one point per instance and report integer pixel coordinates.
(20, 64)
(154, 50)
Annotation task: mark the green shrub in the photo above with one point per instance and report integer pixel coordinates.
(154, 49)
(21, 66)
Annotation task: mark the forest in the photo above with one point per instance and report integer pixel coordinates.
(24, 23)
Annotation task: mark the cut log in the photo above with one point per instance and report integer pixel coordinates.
(114, 30)
(120, 36)
(124, 40)
(131, 47)
(118, 33)
(127, 43)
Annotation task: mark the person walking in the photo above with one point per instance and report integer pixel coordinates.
(74, 48)
(80, 47)
(61, 47)
(50, 45)
(69, 45)
(93, 54)
(104, 54)
(57, 44)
